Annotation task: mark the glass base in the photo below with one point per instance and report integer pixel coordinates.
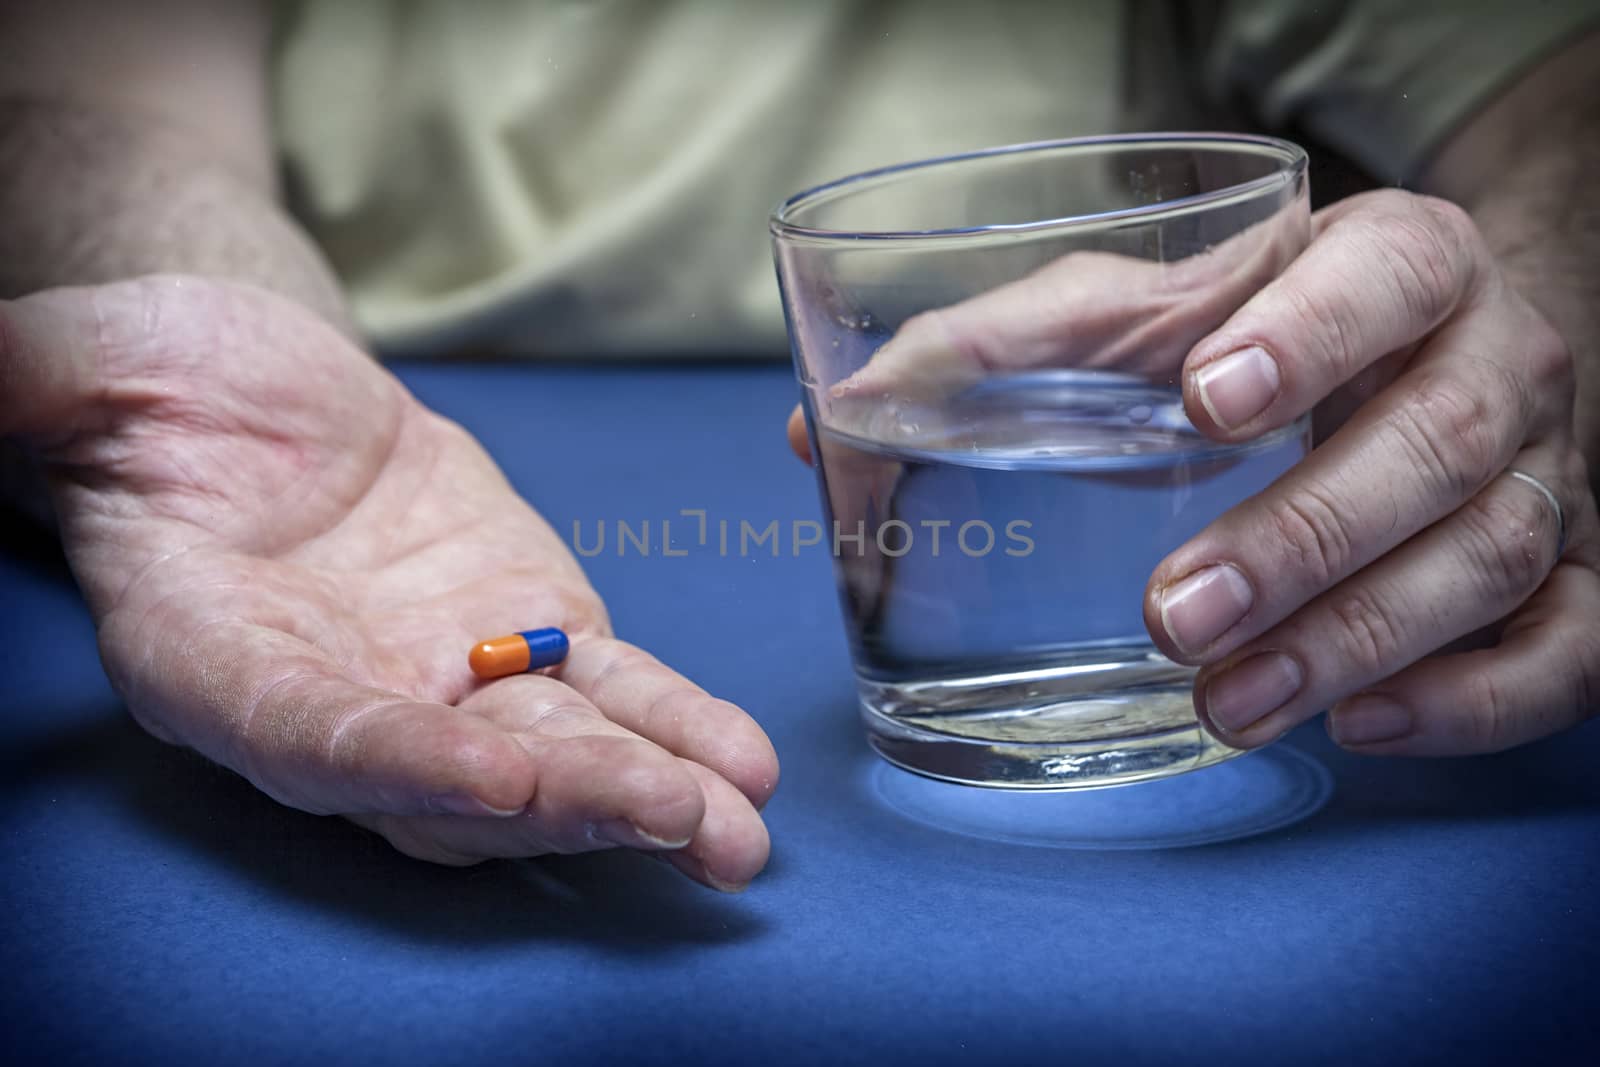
(1113, 718)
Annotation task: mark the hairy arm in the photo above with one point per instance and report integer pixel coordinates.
(134, 139)
(1525, 168)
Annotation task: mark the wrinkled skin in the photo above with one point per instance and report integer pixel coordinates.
(1399, 575)
(287, 558)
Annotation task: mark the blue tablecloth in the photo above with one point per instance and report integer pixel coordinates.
(1296, 905)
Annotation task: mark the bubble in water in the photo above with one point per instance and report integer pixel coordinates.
(1140, 414)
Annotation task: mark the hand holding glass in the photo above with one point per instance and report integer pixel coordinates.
(990, 348)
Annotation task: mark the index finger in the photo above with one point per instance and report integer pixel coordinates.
(1084, 310)
(1386, 269)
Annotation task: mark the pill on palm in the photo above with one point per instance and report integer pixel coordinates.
(527, 650)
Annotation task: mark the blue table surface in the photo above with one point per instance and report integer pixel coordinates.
(1296, 905)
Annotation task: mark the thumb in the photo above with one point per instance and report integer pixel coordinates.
(50, 356)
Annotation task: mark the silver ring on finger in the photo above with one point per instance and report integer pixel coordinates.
(1555, 504)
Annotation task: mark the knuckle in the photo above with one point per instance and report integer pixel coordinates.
(1448, 218)
(1513, 402)
(1426, 246)
(1503, 542)
(1368, 630)
(1452, 433)
(1308, 526)
(1551, 366)
(1455, 230)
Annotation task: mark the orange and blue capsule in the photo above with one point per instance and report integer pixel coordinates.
(515, 653)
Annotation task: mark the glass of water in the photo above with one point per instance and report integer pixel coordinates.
(989, 349)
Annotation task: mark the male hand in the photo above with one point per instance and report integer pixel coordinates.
(287, 558)
(1341, 585)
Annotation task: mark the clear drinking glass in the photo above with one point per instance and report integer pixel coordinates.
(989, 349)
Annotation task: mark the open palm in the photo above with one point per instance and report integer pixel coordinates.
(287, 557)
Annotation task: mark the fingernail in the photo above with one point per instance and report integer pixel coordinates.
(624, 833)
(718, 884)
(1239, 386)
(1366, 720)
(697, 870)
(1200, 608)
(463, 804)
(1244, 693)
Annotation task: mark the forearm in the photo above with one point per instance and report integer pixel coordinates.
(93, 194)
(134, 139)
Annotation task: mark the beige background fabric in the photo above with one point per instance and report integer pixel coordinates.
(592, 177)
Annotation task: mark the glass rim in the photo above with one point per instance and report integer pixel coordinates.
(1292, 158)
